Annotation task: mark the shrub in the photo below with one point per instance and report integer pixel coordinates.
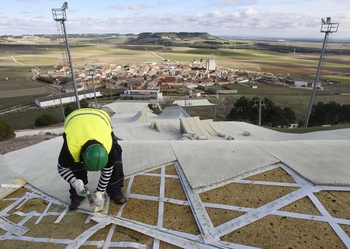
(6, 132)
(45, 120)
(84, 103)
(68, 109)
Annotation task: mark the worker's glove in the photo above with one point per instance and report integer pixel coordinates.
(79, 187)
(99, 198)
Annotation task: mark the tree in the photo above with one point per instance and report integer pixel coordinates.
(84, 103)
(6, 132)
(68, 109)
(242, 110)
(330, 113)
(289, 114)
(272, 115)
(45, 120)
(345, 113)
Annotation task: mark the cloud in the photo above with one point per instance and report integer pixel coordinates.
(216, 14)
(246, 20)
(29, 1)
(236, 3)
(156, 5)
(40, 17)
(138, 7)
(118, 7)
(250, 12)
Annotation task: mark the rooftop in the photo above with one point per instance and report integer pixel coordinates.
(188, 186)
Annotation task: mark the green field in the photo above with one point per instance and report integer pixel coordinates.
(18, 60)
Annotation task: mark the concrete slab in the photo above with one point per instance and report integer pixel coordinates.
(320, 157)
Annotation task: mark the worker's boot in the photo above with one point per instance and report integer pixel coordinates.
(119, 199)
(75, 203)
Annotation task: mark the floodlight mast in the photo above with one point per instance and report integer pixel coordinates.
(59, 15)
(327, 27)
(57, 82)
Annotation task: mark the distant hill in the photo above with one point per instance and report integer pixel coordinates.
(176, 35)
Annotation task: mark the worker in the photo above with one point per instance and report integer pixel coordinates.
(89, 144)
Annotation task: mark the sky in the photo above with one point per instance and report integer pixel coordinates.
(281, 19)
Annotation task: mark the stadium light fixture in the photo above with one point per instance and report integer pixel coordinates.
(59, 15)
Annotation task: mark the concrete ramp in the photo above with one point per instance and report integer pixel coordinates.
(166, 127)
(173, 112)
(212, 128)
(193, 128)
(141, 116)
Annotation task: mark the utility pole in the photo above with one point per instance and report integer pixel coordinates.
(259, 103)
(327, 27)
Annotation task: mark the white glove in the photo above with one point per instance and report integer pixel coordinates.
(99, 198)
(79, 187)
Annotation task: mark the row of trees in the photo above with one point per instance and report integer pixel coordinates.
(331, 113)
(247, 110)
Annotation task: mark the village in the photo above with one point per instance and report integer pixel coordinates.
(149, 80)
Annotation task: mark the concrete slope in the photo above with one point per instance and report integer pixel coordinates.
(167, 127)
(193, 125)
(173, 112)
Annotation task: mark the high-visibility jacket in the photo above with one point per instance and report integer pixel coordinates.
(87, 124)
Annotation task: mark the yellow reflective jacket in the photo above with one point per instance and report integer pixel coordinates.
(87, 124)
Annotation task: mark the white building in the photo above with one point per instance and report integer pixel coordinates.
(65, 98)
(306, 84)
(141, 95)
(211, 64)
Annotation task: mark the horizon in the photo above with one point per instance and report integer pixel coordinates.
(269, 38)
(252, 18)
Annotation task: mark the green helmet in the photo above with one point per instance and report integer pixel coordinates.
(95, 157)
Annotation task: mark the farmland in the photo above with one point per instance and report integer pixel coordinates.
(20, 59)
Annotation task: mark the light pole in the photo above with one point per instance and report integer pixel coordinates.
(57, 82)
(216, 96)
(185, 86)
(111, 93)
(93, 84)
(59, 15)
(327, 27)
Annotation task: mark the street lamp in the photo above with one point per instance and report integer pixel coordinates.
(57, 82)
(59, 15)
(327, 27)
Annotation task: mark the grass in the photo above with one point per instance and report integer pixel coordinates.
(7, 103)
(105, 50)
(340, 78)
(311, 129)
(35, 60)
(26, 119)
